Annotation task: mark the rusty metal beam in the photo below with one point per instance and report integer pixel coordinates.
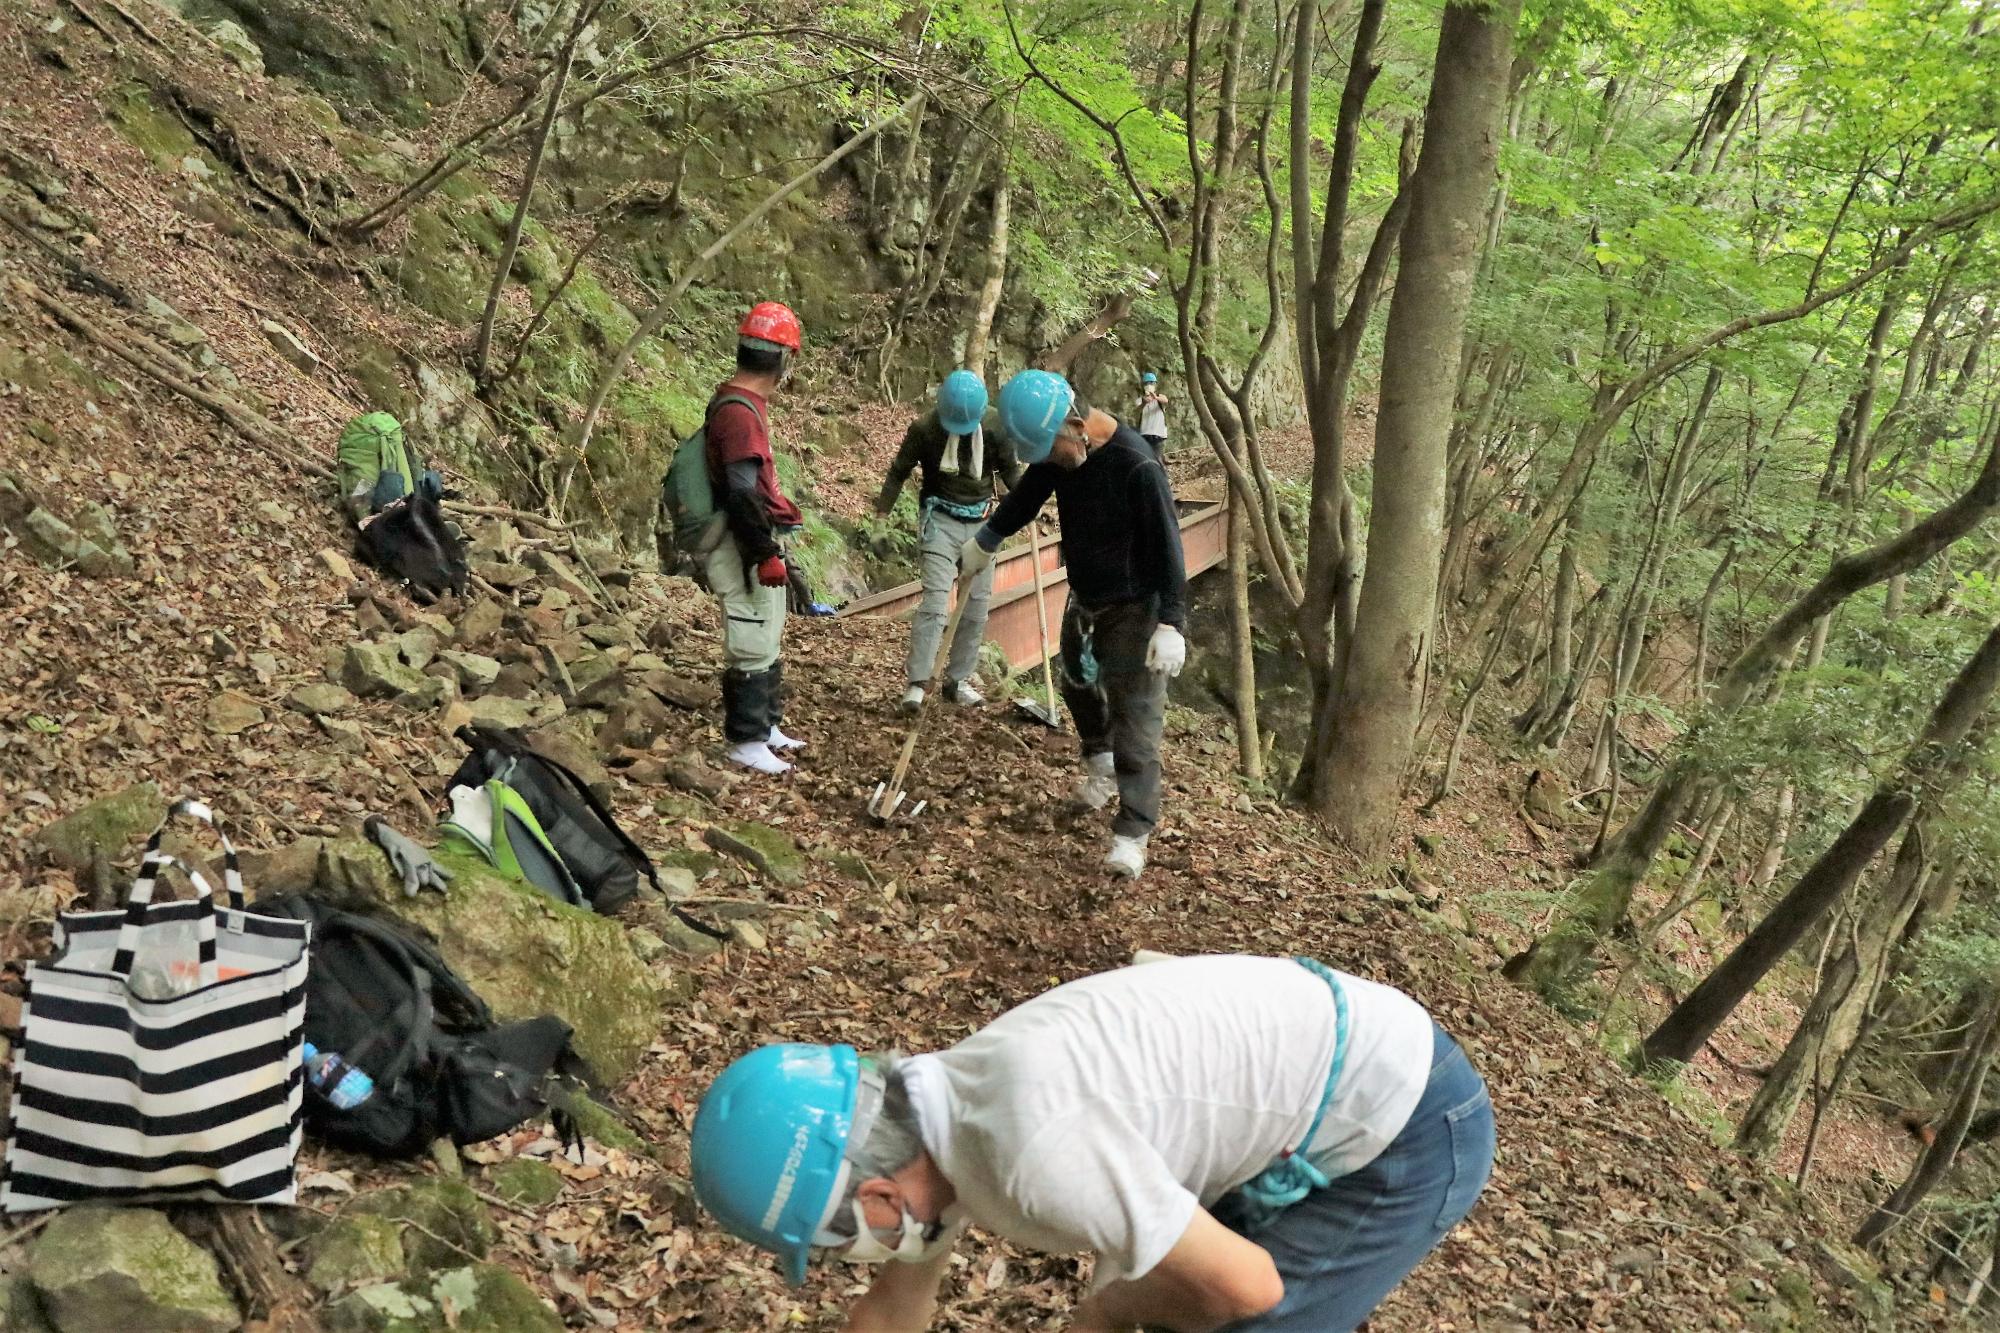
(1011, 621)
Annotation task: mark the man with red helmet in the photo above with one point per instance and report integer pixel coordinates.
(746, 570)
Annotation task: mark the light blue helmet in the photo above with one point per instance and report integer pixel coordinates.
(1149, 378)
(1033, 407)
(961, 401)
(770, 1142)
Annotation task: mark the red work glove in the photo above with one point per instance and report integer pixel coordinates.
(771, 573)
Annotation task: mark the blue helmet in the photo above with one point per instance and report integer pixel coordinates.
(1033, 407)
(1149, 378)
(770, 1141)
(961, 401)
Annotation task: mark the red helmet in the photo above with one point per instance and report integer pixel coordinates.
(772, 323)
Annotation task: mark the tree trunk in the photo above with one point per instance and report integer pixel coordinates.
(981, 328)
(482, 345)
(1832, 1021)
(1938, 755)
(1243, 652)
(1969, 1079)
(1375, 713)
(1556, 961)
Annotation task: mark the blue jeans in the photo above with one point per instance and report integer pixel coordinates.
(1342, 1249)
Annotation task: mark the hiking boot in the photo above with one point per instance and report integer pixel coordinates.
(778, 740)
(757, 757)
(963, 694)
(913, 699)
(1099, 783)
(1127, 856)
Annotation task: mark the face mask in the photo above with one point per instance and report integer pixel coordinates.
(916, 1242)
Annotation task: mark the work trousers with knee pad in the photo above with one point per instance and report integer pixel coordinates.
(1116, 703)
(944, 535)
(753, 627)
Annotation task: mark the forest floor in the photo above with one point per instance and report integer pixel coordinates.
(1610, 1208)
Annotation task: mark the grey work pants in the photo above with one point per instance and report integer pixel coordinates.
(942, 536)
(1123, 708)
(753, 616)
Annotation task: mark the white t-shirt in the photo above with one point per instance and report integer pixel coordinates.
(1152, 417)
(1099, 1115)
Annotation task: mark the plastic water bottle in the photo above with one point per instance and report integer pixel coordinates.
(345, 1085)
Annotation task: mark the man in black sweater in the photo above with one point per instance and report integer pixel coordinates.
(1121, 633)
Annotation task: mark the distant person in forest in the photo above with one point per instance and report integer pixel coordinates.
(960, 459)
(746, 570)
(1261, 1145)
(1121, 632)
(1153, 415)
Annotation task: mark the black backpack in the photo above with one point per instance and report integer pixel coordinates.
(605, 863)
(409, 541)
(381, 997)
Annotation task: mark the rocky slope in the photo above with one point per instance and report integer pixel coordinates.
(177, 351)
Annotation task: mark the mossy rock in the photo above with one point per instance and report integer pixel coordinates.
(441, 1223)
(436, 271)
(523, 952)
(527, 954)
(525, 1181)
(151, 128)
(476, 1298)
(399, 59)
(771, 851)
(109, 1268)
(598, 1122)
(112, 825)
(21, 1309)
(354, 1250)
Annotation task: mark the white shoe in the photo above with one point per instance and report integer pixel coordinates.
(1127, 856)
(1099, 783)
(778, 740)
(913, 699)
(757, 757)
(962, 693)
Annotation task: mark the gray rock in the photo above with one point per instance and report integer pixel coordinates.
(499, 711)
(481, 621)
(748, 934)
(504, 573)
(321, 700)
(230, 38)
(286, 343)
(127, 1268)
(560, 573)
(417, 646)
(233, 711)
(377, 671)
(275, 514)
(475, 671)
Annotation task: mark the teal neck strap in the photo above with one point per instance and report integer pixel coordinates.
(1292, 1177)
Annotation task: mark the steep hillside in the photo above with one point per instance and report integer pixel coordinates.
(183, 334)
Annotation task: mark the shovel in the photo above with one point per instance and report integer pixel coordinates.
(889, 795)
(1043, 712)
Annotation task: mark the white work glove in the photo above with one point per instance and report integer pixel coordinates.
(1167, 652)
(973, 558)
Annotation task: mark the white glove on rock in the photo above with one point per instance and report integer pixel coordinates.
(1167, 653)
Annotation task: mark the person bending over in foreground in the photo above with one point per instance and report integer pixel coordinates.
(1245, 1143)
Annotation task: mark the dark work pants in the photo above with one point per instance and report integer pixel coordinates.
(1122, 709)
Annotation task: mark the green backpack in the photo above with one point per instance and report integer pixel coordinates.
(493, 821)
(374, 465)
(688, 512)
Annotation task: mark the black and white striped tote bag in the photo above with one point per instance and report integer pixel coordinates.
(159, 1054)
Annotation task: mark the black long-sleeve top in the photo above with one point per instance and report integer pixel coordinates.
(1121, 536)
